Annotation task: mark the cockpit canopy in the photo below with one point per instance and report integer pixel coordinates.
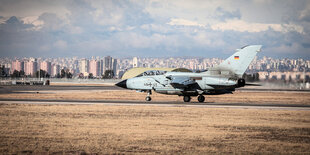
(152, 73)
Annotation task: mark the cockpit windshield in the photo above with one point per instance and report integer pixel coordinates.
(151, 73)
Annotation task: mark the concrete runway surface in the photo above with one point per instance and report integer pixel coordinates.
(23, 88)
(163, 104)
(26, 89)
(19, 88)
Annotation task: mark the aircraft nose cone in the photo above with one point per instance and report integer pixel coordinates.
(122, 84)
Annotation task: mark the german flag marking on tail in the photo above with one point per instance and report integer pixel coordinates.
(236, 57)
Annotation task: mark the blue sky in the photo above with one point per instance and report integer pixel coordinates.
(155, 28)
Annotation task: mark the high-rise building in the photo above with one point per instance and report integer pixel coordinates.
(31, 67)
(94, 66)
(83, 66)
(115, 67)
(108, 63)
(101, 67)
(55, 70)
(17, 65)
(46, 66)
(75, 65)
(135, 62)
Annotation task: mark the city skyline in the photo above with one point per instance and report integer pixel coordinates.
(153, 28)
(82, 67)
(139, 57)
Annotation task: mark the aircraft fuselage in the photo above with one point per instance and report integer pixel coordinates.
(162, 84)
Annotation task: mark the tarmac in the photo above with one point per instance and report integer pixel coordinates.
(25, 89)
(162, 104)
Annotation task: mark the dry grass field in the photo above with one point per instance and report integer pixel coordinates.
(120, 129)
(107, 129)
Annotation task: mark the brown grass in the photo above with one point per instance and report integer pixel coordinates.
(103, 129)
(272, 97)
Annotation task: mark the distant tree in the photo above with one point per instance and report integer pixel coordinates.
(69, 75)
(62, 73)
(108, 74)
(90, 76)
(65, 73)
(81, 76)
(15, 74)
(42, 73)
(2, 71)
(22, 73)
(58, 75)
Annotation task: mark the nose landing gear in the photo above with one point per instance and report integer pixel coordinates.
(148, 97)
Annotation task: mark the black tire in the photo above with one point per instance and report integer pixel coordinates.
(148, 98)
(201, 98)
(186, 98)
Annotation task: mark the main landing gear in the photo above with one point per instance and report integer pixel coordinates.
(201, 98)
(186, 98)
(148, 97)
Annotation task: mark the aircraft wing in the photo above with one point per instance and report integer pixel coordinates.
(181, 82)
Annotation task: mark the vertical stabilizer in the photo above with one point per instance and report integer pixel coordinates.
(239, 61)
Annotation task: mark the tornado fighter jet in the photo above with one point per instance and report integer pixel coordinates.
(221, 79)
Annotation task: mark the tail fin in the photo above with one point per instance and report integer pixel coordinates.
(239, 61)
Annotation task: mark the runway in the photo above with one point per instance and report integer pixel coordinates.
(22, 88)
(162, 104)
(33, 88)
(117, 102)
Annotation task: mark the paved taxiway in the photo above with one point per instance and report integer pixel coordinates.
(38, 88)
(34, 89)
(164, 104)
(23, 89)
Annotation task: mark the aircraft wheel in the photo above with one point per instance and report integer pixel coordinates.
(148, 98)
(186, 98)
(201, 98)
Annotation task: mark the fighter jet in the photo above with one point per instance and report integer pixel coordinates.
(221, 79)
